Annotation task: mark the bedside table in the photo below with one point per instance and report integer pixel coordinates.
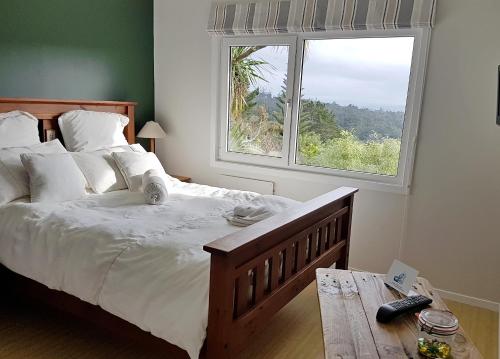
(182, 178)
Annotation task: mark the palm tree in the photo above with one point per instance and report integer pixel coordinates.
(245, 72)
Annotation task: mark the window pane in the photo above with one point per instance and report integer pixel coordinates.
(352, 104)
(257, 99)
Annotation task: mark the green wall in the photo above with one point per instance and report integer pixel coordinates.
(81, 49)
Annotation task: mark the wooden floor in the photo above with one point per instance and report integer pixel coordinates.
(295, 332)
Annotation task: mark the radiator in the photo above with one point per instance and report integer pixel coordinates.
(246, 184)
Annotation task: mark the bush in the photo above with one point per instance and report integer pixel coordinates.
(347, 152)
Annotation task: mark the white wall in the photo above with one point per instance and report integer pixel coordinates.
(449, 227)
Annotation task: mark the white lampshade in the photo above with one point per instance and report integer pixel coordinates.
(151, 130)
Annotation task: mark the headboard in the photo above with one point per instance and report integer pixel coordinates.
(48, 111)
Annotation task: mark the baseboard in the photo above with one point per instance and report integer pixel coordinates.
(460, 298)
(465, 299)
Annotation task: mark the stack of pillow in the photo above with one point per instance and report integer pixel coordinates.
(97, 158)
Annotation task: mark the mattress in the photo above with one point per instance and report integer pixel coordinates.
(143, 263)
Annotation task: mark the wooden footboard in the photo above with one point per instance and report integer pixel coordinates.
(256, 271)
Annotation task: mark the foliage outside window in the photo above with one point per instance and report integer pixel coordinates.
(256, 121)
(343, 101)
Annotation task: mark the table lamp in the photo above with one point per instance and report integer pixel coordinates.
(152, 130)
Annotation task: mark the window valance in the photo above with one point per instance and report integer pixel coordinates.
(292, 16)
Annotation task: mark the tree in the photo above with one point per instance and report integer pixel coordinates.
(279, 114)
(245, 72)
(317, 118)
(252, 128)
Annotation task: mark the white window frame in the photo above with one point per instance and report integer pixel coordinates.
(265, 165)
(262, 160)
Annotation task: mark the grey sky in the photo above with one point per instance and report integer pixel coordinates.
(366, 72)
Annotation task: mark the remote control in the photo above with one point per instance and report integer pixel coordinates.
(414, 303)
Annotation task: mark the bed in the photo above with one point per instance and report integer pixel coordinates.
(232, 280)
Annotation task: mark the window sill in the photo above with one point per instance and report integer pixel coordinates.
(263, 173)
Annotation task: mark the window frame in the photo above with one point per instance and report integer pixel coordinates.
(260, 163)
(224, 96)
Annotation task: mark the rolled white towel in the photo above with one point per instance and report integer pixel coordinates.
(155, 189)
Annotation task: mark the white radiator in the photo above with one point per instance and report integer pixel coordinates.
(246, 184)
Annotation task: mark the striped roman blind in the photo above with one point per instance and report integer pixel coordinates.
(292, 16)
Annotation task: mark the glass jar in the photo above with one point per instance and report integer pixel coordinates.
(438, 329)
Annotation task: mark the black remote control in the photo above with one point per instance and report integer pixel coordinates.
(413, 303)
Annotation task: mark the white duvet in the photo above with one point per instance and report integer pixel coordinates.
(142, 263)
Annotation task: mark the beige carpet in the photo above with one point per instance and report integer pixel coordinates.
(31, 331)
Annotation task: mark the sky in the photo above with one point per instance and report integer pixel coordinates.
(368, 72)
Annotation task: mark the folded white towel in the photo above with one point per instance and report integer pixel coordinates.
(155, 188)
(257, 209)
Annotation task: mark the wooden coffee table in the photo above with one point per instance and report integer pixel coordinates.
(349, 302)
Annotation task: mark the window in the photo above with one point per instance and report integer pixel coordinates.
(352, 103)
(255, 115)
(345, 106)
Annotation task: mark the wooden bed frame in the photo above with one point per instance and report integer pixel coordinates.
(254, 272)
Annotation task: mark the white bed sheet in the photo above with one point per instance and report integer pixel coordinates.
(142, 263)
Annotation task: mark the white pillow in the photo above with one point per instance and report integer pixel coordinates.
(136, 147)
(133, 165)
(18, 129)
(101, 171)
(14, 180)
(53, 177)
(90, 131)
